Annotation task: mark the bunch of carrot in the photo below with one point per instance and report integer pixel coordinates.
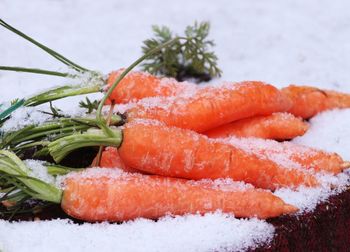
(167, 135)
(181, 150)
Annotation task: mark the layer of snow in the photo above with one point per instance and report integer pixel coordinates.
(306, 199)
(211, 232)
(329, 131)
(24, 116)
(38, 170)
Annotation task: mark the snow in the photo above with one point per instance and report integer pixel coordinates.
(24, 116)
(38, 170)
(329, 131)
(279, 42)
(306, 199)
(187, 233)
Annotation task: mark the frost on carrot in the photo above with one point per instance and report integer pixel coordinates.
(210, 107)
(290, 154)
(96, 196)
(278, 126)
(309, 101)
(175, 152)
(138, 85)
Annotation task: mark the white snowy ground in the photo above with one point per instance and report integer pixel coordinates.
(281, 42)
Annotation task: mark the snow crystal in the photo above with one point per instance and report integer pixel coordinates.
(223, 184)
(280, 153)
(39, 171)
(24, 116)
(329, 131)
(211, 232)
(306, 198)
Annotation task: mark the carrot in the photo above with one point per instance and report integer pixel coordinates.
(110, 159)
(138, 85)
(211, 107)
(98, 194)
(121, 197)
(278, 126)
(291, 154)
(169, 151)
(175, 152)
(309, 101)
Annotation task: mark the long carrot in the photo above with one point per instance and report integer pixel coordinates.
(120, 197)
(309, 101)
(211, 107)
(181, 153)
(291, 154)
(98, 194)
(138, 85)
(278, 126)
(175, 152)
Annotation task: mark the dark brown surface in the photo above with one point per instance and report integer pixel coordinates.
(325, 229)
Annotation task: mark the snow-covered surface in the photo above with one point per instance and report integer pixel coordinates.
(281, 42)
(187, 233)
(24, 116)
(329, 131)
(306, 199)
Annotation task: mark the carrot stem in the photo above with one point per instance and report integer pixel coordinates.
(15, 170)
(62, 92)
(36, 71)
(63, 146)
(104, 127)
(51, 52)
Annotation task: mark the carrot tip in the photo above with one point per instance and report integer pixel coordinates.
(345, 165)
(290, 209)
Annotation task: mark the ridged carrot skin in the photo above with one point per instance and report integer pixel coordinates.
(277, 126)
(138, 85)
(211, 107)
(309, 101)
(129, 196)
(307, 157)
(176, 152)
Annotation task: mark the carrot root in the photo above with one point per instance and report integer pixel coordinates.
(210, 107)
(277, 126)
(176, 152)
(121, 197)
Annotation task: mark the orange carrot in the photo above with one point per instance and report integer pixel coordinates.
(176, 152)
(278, 126)
(309, 101)
(113, 197)
(110, 159)
(98, 194)
(211, 107)
(138, 85)
(292, 154)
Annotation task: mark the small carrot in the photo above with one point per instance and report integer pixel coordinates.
(169, 151)
(138, 85)
(292, 154)
(110, 159)
(121, 197)
(309, 101)
(278, 126)
(210, 107)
